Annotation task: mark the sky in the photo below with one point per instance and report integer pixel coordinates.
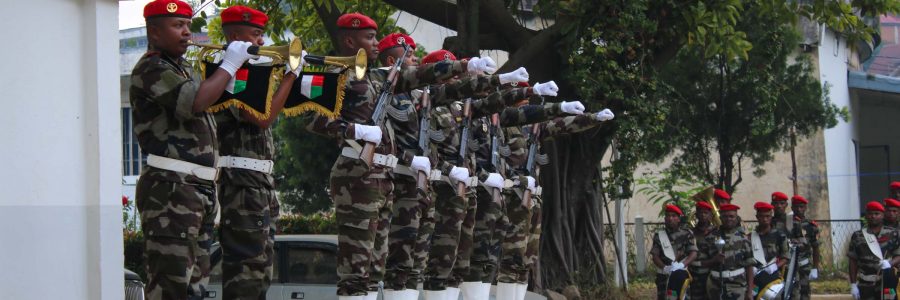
(131, 13)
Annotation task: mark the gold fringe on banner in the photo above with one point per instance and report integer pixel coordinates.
(315, 107)
(274, 78)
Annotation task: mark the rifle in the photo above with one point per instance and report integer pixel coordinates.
(464, 143)
(791, 270)
(387, 90)
(495, 154)
(530, 163)
(424, 139)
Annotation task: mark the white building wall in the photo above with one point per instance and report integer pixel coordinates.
(60, 213)
(840, 151)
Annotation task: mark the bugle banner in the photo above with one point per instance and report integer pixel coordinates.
(317, 90)
(251, 90)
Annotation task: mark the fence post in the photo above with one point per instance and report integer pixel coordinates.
(640, 255)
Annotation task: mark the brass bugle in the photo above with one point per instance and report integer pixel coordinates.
(358, 62)
(291, 52)
(707, 195)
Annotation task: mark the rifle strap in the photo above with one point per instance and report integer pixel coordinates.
(666, 244)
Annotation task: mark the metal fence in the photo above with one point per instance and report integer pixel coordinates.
(834, 236)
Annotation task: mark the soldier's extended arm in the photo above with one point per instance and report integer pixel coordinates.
(468, 87)
(569, 125)
(528, 114)
(415, 77)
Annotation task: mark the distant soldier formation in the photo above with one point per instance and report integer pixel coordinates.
(436, 184)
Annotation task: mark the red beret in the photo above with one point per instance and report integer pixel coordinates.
(704, 205)
(874, 206)
(437, 56)
(797, 199)
(674, 209)
(242, 15)
(895, 185)
(779, 196)
(722, 194)
(523, 84)
(396, 40)
(728, 207)
(891, 202)
(763, 206)
(356, 21)
(168, 8)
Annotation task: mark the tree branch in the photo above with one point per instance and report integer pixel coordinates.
(329, 19)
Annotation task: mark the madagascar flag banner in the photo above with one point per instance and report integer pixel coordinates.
(317, 90)
(251, 89)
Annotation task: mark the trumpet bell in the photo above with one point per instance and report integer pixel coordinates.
(295, 50)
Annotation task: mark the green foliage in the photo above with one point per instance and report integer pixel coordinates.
(134, 252)
(318, 223)
(664, 188)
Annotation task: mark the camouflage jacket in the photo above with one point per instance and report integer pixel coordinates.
(510, 119)
(445, 125)
(704, 247)
(682, 241)
(867, 262)
(779, 221)
(360, 98)
(162, 97)
(805, 235)
(737, 250)
(894, 225)
(774, 244)
(404, 116)
(238, 137)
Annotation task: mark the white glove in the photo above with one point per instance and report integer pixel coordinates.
(667, 269)
(572, 107)
(605, 115)
(479, 65)
(771, 269)
(494, 180)
(885, 264)
(235, 56)
(814, 274)
(677, 266)
(531, 184)
(371, 134)
(519, 75)
(299, 67)
(854, 291)
(420, 164)
(548, 88)
(459, 174)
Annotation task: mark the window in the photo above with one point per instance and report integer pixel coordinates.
(132, 156)
(309, 264)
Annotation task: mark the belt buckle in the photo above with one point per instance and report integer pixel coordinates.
(434, 175)
(538, 191)
(472, 181)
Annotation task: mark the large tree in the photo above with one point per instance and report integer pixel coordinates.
(607, 53)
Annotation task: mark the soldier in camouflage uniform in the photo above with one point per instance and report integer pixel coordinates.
(732, 267)
(175, 193)
(892, 213)
(702, 230)
(772, 243)
(361, 191)
(679, 243)
(866, 266)
(779, 220)
(246, 186)
(450, 207)
(804, 234)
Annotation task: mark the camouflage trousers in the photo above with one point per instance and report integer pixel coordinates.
(381, 250)
(802, 290)
(177, 220)
(513, 267)
(409, 201)
(359, 194)
(423, 243)
(532, 252)
(734, 289)
(697, 289)
(246, 234)
(484, 259)
(466, 242)
(874, 291)
(450, 210)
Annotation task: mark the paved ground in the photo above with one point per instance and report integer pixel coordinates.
(833, 297)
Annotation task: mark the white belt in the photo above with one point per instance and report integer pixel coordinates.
(180, 166)
(508, 183)
(538, 191)
(803, 262)
(434, 175)
(259, 165)
(726, 274)
(387, 161)
(869, 278)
